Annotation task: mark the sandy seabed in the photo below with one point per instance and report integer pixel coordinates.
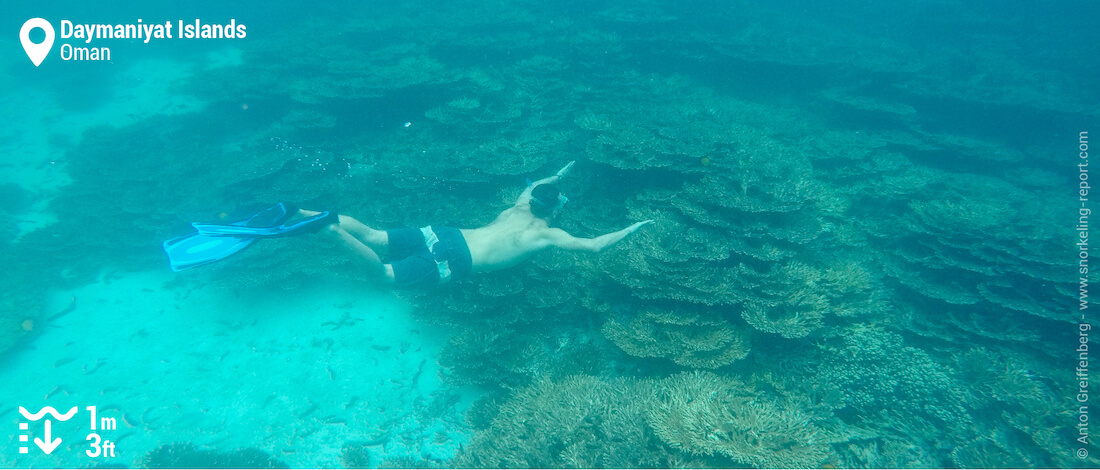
(294, 373)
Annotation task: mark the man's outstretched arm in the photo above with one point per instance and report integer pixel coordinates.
(525, 197)
(561, 239)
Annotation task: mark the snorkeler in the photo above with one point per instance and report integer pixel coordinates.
(406, 257)
(428, 256)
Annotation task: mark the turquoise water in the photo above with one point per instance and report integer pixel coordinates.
(866, 246)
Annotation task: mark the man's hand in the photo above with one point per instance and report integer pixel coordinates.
(525, 196)
(562, 172)
(638, 225)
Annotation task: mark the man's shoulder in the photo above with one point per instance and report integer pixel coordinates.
(518, 215)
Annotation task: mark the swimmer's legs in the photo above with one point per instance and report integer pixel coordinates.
(375, 267)
(362, 245)
(376, 240)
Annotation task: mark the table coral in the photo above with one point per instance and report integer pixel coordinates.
(689, 341)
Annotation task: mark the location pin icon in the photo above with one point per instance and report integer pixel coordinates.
(37, 52)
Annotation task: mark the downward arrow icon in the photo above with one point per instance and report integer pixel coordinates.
(47, 448)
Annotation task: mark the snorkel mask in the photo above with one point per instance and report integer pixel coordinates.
(546, 209)
(562, 201)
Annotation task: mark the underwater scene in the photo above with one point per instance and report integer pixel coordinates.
(779, 234)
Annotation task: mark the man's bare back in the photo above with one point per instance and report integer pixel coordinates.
(430, 255)
(514, 236)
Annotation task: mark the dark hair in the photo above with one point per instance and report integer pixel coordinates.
(544, 199)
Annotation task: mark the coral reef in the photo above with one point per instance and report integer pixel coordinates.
(578, 422)
(190, 456)
(688, 341)
(690, 419)
(987, 453)
(1022, 406)
(876, 372)
(874, 212)
(355, 454)
(408, 462)
(493, 357)
(708, 414)
(972, 247)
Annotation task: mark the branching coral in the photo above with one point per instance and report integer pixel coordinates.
(852, 290)
(1038, 432)
(588, 422)
(493, 358)
(888, 452)
(877, 373)
(996, 381)
(578, 422)
(675, 261)
(1028, 416)
(709, 414)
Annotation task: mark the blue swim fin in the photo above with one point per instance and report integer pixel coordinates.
(308, 225)
(196, 249)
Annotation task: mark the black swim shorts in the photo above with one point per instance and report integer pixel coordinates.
(415, 264)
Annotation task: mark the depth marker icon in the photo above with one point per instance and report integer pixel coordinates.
(48, 445)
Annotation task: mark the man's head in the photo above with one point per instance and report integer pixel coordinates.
(547, 201)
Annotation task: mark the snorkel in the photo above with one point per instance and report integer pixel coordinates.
(541, 205)
(560, 206)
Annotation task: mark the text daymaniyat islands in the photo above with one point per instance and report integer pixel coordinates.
(140, 30)
(149, 31)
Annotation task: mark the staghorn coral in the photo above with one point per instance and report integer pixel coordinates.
(887, 452)
(886, 177)
(852, 289)
(577, 422)
(776, 208)
(687, 340)
(760, 190)
(1038, 432)
(517, 156)
(704, 413)
(701, 418)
